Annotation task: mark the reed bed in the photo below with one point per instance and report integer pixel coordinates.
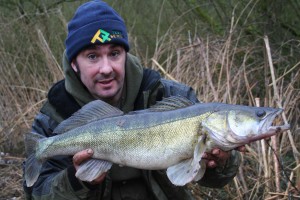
(225, 70)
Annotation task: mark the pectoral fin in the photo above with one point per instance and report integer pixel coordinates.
(92, 169)
(190, 169)
(201, 171)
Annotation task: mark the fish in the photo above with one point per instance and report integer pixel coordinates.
(172, 135)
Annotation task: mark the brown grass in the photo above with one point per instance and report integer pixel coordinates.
(11, 177)
(222, 70)
(24, 83)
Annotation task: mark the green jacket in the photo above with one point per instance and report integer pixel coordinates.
(143, 88)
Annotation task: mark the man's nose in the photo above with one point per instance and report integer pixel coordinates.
(105, 66)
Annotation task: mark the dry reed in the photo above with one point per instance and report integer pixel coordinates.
(228, 70)
(24, 83)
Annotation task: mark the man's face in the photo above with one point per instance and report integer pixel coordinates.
(102, 71)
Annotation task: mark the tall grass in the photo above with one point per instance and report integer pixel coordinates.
(227, 68)
(24, 81)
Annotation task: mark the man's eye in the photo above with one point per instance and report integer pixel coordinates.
(115, 53)
(92, 56)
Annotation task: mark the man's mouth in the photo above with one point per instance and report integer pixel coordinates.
(105, 82)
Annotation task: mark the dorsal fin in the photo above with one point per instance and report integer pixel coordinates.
(95, 110)
(171, 103)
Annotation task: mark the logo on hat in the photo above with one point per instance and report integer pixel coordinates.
(101, 36)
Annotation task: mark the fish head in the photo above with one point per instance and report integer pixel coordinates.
(255, 122)
(231, 126)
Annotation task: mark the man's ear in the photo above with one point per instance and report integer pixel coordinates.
(73, 65)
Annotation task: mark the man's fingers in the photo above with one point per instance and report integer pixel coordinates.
(221, 155)
(241, 149)
(211, 164)
(216, 154)
(216, 158)
(81, 156)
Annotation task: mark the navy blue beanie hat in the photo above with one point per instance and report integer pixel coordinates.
(95, 22)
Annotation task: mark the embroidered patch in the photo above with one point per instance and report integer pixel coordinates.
(103, 36)
(116, 34)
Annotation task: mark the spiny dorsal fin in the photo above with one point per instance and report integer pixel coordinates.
(95, 110)
(171, 103)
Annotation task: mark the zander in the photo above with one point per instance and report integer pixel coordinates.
(172, 135)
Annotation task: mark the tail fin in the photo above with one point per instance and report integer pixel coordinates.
(32, 165)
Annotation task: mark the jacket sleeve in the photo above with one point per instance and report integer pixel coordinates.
(57, 178)
(219, 176)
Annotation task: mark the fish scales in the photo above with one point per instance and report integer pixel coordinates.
(145, 141)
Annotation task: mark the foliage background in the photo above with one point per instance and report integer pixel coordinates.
(217, 47)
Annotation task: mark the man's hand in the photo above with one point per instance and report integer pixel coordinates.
(218, 158)
(82, 156)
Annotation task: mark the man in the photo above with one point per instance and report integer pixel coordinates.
(97, 65)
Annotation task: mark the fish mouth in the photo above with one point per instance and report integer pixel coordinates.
(267, 129)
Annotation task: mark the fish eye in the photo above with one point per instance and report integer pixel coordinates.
(260, 113)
